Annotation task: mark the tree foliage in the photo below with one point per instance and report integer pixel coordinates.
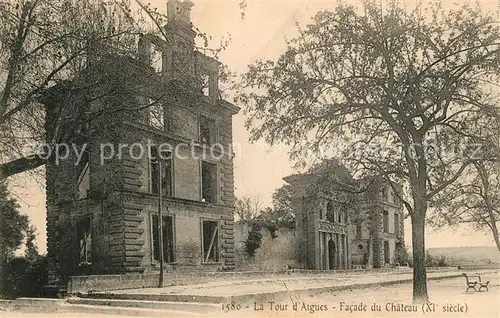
(19, 276)
(13, 225)
(247, 208)
(43, 43)
(282, 213)
(401, 94)
(31, 250)
(63, 44)
(254, 239)
(22, 277)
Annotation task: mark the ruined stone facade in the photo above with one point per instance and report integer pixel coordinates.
(333, 234)
(378, 230)
(102, 208)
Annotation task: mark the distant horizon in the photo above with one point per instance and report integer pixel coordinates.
(474, 246)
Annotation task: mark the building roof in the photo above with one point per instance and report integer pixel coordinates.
(333, 167)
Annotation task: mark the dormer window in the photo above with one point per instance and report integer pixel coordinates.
(207, 72)
(205, 85)
(156, 59)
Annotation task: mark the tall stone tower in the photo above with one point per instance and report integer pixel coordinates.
(102, 208)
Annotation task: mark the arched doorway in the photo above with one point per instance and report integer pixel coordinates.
(331, 254)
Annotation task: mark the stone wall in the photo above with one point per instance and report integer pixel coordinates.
(273, 254)
(121, 229)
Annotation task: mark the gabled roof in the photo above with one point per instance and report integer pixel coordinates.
(331, 167)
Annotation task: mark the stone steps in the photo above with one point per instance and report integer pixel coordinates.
(128, 311)
(136, 308)
(38, 304)
(191, 307)
(160, 297)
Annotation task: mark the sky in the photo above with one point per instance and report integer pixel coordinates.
(259, 169)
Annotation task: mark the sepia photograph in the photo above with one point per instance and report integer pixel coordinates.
(249, 158)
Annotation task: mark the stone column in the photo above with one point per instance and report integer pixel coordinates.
(349, 256)
(327, 252)
(321, 251)
(342, 253)
(345, 252)
(339, 247)
(316, 248)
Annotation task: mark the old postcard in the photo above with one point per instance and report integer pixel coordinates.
(248, 158)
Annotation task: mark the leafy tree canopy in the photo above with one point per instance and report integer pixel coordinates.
(13, 225)
(282, 213)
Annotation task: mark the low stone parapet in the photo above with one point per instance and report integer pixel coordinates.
(6, 304)
(478, 266)
(442, 269)
(86, 284)
(38, 304)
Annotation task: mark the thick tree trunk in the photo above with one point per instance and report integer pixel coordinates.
(494, 229)
(20, 165)
(486, 196)
(418, 246)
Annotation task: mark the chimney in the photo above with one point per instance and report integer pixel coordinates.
(144, 50)
(179, 61)
(179, 12)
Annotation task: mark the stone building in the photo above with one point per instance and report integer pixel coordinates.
(102, 208)
(333, 232)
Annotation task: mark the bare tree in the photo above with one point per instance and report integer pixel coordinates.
(473, 200)
(395, 93)
(43, 43)
(247, 208)
(77, 49)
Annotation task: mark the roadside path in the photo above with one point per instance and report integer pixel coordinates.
(243, 287)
